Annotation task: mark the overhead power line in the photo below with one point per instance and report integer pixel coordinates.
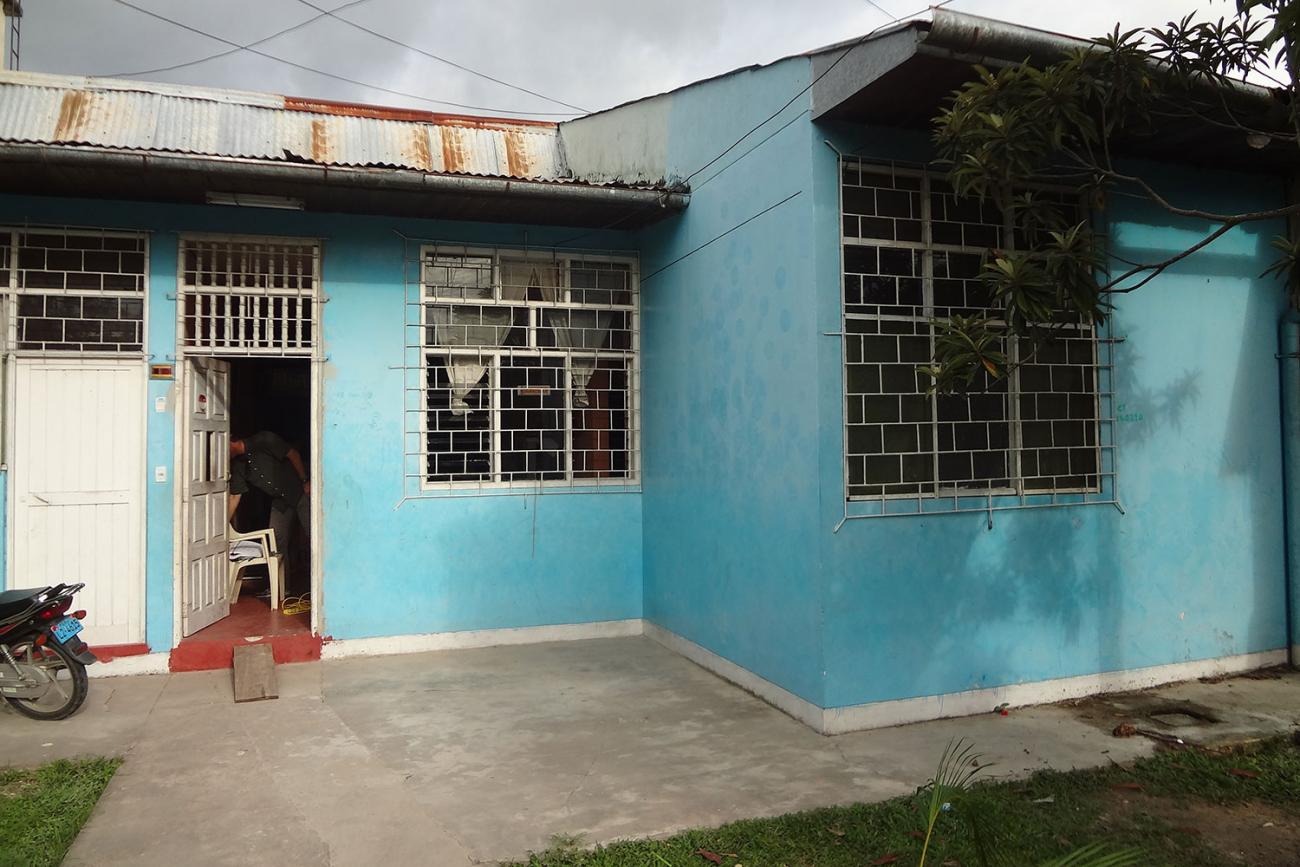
(881, 9)
(230, 51)
(440, 59)
(343, 78)
(719, 237)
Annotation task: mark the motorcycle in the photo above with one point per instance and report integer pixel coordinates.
(42, 659)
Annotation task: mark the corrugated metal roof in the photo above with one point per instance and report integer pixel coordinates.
(57, 109)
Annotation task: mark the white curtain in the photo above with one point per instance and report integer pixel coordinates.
(484, 328)
(577, 329)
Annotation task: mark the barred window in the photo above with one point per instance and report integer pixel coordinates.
(530, 369)
(249, 296)
(912, 254)
(77, 290)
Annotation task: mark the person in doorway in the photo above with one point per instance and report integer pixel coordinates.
(266, 462)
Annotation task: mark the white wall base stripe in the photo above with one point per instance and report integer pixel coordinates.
(125, 666)
(908, 710)
(779, 697)
(839, 720)
(348, 647)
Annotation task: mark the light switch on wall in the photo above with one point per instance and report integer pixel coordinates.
(160, 404)
(160, 474)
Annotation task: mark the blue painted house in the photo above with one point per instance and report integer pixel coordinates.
(651, 371)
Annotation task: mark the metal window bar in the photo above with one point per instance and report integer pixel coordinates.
(1044, 436)
(74, 290)
(249, 296)
(521, 370)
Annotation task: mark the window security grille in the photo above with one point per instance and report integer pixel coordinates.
(76, 290)
(249, 296)
(1042, 436)
(521, 371)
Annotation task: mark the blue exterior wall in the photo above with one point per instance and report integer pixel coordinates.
(731, 420)
(732, 543)
(421, 566)
(921, 606)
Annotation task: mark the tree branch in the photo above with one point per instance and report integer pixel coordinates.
(1233, 219)
(1160, 267)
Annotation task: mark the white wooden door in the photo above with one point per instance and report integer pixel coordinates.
(77, 488)
(206, 460)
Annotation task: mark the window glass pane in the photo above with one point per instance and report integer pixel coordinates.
(974, 437)
(475, 325)
(79, 291)
(601, 408)
(890, 417)
(458, 439)
(881, 204)
(963, 222)
(462, 277)
(958, 289)
(1035, 431)
(603, 283)
(1059, 415)
(532, 419)
(883, 280)
(567, 328)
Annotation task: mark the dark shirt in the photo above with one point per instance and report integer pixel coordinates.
(265, 465)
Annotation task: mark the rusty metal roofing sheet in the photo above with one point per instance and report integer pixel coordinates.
(57, 109)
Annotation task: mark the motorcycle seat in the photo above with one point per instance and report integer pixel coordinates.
(14, 602)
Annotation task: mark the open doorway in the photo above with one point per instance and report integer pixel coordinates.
(270, 405)
(248, 456)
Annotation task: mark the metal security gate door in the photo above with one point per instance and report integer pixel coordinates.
(77, 487)
(206, 460)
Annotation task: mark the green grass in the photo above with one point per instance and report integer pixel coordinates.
(42, 809)
(1084, 807)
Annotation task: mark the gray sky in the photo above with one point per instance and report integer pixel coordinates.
(591, 53)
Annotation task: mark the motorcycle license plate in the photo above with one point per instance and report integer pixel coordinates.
(66, 628)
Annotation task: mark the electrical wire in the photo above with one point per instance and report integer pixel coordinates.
(748, 220)
(440, 59)
(227, 53)
(881, 9)
(810, 85)
(343, 78)
(758, 144)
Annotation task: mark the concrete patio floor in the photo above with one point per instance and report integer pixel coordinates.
(473, 756)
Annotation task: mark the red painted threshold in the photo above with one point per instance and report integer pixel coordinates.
(105, 652)
(219, 653)
(251, 621)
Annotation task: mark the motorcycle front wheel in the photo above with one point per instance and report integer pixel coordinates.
(68, 681)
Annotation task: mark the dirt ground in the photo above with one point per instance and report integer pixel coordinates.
(1255, 834)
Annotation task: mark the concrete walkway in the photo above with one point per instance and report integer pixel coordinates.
(480, 755)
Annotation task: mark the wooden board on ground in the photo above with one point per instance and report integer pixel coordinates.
(255, 673)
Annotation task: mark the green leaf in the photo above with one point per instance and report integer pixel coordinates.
(1097, 855)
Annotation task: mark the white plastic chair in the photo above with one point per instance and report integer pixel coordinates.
(253, 549)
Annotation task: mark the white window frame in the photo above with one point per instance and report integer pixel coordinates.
(632, 357)
(1017, 495)
(11, 292)
(315, 295)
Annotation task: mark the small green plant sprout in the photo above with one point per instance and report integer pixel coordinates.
(952, 791)
(568, 843)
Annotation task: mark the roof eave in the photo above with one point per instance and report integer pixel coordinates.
(904, 79)
(92, 172)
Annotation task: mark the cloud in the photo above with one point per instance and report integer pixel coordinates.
(592, 53)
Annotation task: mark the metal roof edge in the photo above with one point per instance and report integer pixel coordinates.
(63, 81)
(964, 33)
(85, 155)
